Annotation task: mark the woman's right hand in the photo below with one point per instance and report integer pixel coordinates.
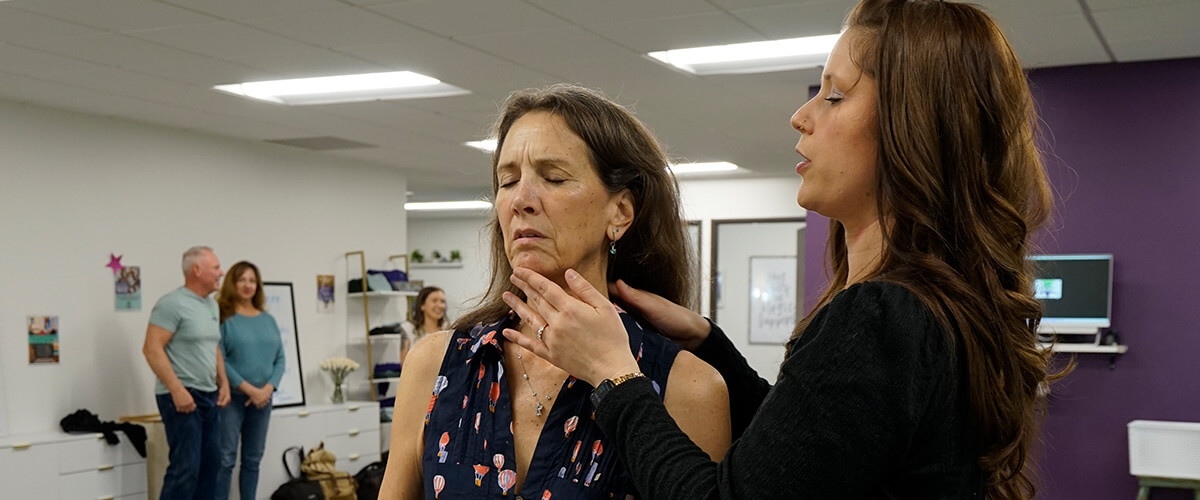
(673, 321)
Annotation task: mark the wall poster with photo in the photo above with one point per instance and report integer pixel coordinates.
(772, 299)
(282, 305)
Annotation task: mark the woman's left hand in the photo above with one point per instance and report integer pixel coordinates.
(583, 336)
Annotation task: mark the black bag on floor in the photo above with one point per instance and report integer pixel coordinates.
(298, 487)
(369, 479)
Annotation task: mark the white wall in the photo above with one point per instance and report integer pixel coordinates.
(703, 200)
(75, 188)
(463, 286)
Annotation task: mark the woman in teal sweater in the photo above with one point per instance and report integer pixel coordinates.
(254, 360)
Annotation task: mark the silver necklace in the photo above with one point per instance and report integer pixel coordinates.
(525, 375)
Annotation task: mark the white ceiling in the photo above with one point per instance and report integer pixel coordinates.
(155, 61)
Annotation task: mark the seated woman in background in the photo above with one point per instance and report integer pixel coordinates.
(428, 316)
(579, 184)
(254, 363)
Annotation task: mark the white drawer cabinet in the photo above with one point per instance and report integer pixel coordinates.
(350, 431)
(71, 467)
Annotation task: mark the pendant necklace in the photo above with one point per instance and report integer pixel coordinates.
(525, 375)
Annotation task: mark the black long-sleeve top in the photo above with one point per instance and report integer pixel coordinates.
(869, 404)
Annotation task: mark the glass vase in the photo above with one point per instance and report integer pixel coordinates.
(339, 392)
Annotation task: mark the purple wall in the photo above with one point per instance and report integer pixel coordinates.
(1124, 158)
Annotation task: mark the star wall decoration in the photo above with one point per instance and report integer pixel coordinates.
(114, 261)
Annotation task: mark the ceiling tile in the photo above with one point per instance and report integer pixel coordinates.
(1055, 41)
(205, 72)
(454, 18)
(588, 13)
(311, 62)
(224, 40)
(796, 20)
(38, 63)
(677, 32)
(18, 26)
(243, 9)
(1186, 44)
(536, 47)
(339, 28)
(115, 15)
(1149, 22)
(112, 49)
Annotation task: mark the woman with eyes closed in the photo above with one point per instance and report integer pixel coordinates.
(581, 192)
(917, 374)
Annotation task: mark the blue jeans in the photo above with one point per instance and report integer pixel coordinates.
(195, 452)
(249, 425)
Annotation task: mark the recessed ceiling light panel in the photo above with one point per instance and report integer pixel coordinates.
(344, 88)
(751, 57)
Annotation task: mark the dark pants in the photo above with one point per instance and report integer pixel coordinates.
(195, 455)
(247, 424)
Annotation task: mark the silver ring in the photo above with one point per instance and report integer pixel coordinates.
(540, 330)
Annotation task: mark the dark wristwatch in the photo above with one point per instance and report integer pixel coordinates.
(609, 384)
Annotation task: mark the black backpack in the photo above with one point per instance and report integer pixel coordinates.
(369, 480)
(298, 487)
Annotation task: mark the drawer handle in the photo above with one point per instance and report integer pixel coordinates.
(103, 468)
(21, 446)
(353, 408)
(353, 432)
(353, 457)
(303, 413)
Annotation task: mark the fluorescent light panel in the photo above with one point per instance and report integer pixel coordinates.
(447, 205)
(344, 88)
(486, 145)
(702, 168)
(752, 57)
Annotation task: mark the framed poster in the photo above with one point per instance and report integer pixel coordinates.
(772, 299)
(282, 305)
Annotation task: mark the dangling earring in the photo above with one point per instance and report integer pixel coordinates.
(612, 245)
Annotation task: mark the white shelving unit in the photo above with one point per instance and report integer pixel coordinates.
(1087, 348)
(437, 265)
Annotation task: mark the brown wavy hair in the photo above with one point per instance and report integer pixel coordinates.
(962, 188)
(654, 254)
(227, 297)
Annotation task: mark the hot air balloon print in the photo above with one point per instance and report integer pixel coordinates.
(479, 379)
(445, 440)
(429, 411)
(546, 495)
(480, 471)
(506, 479)
(576, 452)
(439, 483)
(571, 382)
(465, 399)
(477, 415)
(597, 449)
(498, 461)
(493, 396)
(569, 427)
(440, 384)
(587, 481)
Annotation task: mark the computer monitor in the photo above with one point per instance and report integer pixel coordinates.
(1075, 292)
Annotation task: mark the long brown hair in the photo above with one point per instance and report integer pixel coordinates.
(418, 315)
(653, 255)
(962, 188)
(227, 297)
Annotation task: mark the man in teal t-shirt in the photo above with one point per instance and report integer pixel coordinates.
(182, 349)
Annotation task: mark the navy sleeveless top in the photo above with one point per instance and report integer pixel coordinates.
(469, 452)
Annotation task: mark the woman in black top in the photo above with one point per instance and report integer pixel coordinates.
(917, 374)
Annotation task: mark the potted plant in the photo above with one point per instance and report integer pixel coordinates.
(417, 256)
(455, 256)
(437, 256)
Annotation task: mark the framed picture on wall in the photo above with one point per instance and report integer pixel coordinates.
(772, 299)
(281, 303)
